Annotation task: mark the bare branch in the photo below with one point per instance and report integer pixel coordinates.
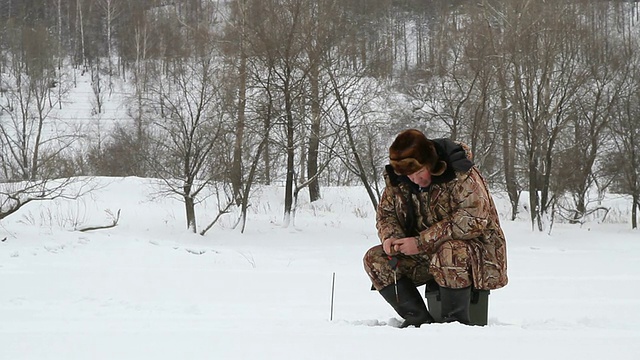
(113, 224)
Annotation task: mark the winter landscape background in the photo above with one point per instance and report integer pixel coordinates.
(148, 289)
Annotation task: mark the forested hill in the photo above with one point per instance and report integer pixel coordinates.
(309, 93)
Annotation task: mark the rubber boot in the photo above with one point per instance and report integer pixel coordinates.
(455, 304)
(407, 302)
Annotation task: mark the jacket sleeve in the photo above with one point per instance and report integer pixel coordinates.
(469, 217)
(387, 221)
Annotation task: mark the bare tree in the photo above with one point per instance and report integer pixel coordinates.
(589, 119)
(325, 26)
(111, 10)
(256, 151)
(624, 160)
(32, 146)
(28, 129)
(359, 151)
(80, 27)
(501, 46)
(279, 40)
(546, 77)
(621, 164)
(188, 129)
(236, 38)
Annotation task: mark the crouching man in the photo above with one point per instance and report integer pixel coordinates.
(436, 221)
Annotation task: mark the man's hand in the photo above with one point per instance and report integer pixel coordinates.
(387, 246)
(407, 246)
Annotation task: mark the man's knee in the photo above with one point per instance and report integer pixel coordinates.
(451, 264)
(453, 253)
(377, 267)
(373, 255)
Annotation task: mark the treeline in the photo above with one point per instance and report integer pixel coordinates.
(224, 95)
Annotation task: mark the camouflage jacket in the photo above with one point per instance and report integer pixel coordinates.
(456, 206)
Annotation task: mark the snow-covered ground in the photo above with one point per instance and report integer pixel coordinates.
(147, 289)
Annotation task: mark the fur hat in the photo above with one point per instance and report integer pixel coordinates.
(411, 151)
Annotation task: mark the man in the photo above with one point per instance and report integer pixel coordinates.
(437, 222)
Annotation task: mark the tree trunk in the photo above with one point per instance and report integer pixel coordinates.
(81, 22)
(191, 212)
(236, 168)
(288, 192)
(634, 211)
(534, 202)
(509, 133)
(314, 137)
